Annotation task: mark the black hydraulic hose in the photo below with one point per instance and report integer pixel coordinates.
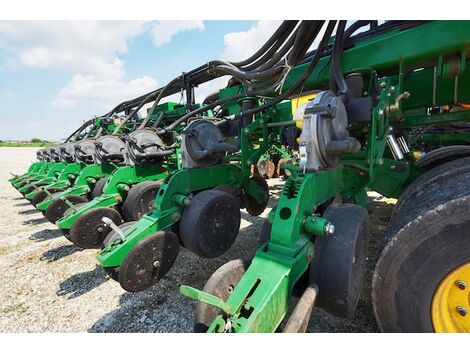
(313, 62)
(337, 81)
(359, 24)
(300, 37)
(156, 154)
(284, 26)
(80, 129)
(200, 75)
(312, 33)
(158, 120)
(273, 54)
(145, 101)
(304, 36)
(218, 102)
(307, 72)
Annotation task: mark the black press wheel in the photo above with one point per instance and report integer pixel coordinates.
(140, 199)
(99, 187)
(210, 223)
(339, 263)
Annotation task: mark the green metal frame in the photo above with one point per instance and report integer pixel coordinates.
(115, 189)
(259, 302)
(83, 185)
(65, 179)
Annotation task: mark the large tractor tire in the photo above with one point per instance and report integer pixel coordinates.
(442, 155)
(421, 279)
(430, 178)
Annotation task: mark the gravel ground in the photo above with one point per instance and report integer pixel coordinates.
(49, 285)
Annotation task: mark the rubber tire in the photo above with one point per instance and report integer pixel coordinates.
(50, 212)
(442, 155)
(338, 266)
(99, 187)
(137, 194)
(436, 193)
(435, 175)
(416, 258)
(210, 223)
(220, 284)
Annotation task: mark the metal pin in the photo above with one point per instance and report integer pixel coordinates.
(111, 224)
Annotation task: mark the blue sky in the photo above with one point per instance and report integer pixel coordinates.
(53, 75)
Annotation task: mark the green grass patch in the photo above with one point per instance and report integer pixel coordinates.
(27, 144)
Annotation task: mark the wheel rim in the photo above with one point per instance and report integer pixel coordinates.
(450, 309)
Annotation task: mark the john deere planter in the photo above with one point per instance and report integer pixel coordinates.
(386, 109)
(374, 89)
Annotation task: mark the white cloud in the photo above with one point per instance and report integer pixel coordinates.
(241, 45)
(90, 51)
(80, 46)
(163, 31)
(103, 92)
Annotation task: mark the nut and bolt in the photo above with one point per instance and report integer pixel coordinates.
(461, 284)
(383, 84)
(329, 229)
(462, 311)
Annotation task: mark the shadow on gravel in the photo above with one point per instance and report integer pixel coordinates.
(18, 198)
(45, 235)
(162, 308)
(35, 221)
(81, 283)
(159, 309)
(55, 254)
(28, 212)
(22, 204)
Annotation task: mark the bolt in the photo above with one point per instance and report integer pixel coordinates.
(156, 264)
(310, 253)
(461, 310)
(329, 229)
(383, 84)
(461, 284)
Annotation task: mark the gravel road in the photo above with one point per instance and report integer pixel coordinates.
(49, 285)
